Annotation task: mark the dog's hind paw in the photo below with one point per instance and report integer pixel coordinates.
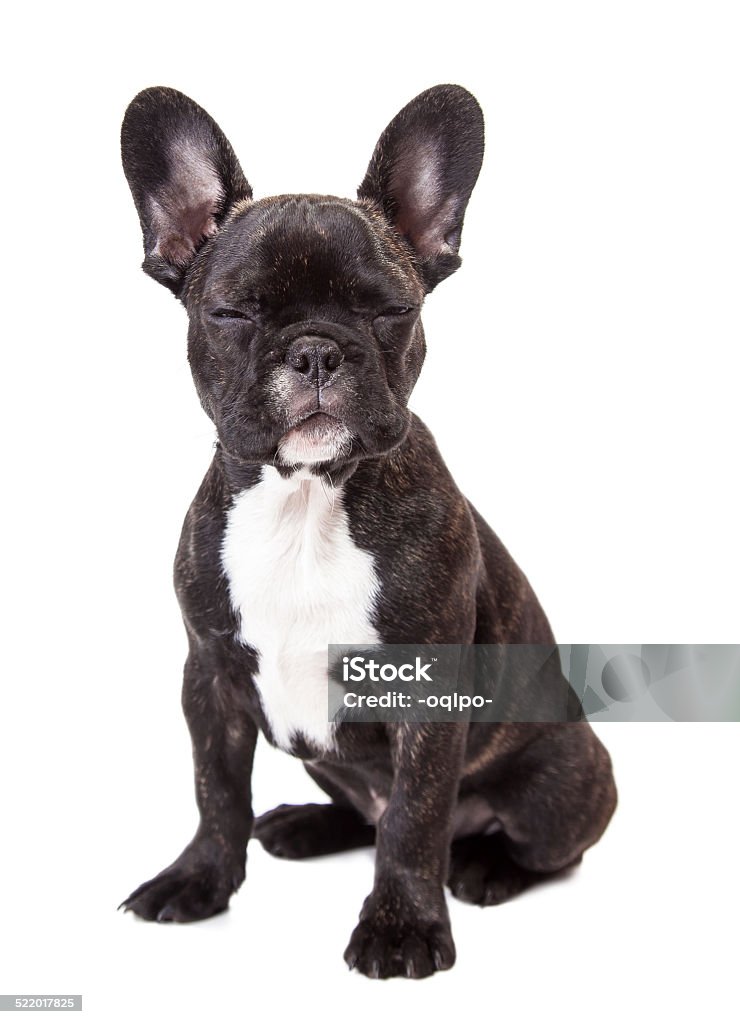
(296, 831)
(482, 871)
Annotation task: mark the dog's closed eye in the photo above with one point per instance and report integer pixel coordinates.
(229, 314)
(396, 311)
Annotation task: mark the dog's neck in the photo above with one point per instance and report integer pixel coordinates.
(241, 475)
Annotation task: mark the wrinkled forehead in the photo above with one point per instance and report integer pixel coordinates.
(311, 248)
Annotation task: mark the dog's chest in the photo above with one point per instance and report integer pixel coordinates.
(297, 582)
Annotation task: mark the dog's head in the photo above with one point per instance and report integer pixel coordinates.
(305, 339)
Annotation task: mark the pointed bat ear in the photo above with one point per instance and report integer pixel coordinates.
(183, 176)
(423, 171)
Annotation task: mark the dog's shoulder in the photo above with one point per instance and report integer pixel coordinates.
(198, 575)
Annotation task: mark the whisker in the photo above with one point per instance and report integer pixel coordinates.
(331, 499)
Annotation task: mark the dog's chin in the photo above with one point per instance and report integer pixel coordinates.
(319, 438)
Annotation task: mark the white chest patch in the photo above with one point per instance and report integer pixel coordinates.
(297, 582)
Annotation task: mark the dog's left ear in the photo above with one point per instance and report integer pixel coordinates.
(183, 175)
(423, 171)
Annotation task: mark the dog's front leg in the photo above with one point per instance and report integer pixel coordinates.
(212, 866)
(404, 926)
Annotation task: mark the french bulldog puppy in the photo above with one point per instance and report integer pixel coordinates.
(328, 516)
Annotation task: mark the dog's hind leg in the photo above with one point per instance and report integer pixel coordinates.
(553, 802)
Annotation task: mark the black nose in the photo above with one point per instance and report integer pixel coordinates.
(315, 358)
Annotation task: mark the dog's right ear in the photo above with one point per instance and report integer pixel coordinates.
(183, 176)
(423, 171)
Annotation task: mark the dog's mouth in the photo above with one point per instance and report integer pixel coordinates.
(319, 437)
(316, 422)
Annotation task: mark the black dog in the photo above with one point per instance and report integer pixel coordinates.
(328, 516)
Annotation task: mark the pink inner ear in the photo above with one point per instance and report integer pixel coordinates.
(184, 212)
(423, 215)
(198, 224)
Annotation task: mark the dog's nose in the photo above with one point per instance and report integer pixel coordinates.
(317, 359)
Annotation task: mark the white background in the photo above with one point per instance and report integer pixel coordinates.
(581, 382)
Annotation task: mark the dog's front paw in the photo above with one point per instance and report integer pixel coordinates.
(384, 945)
(196, 886)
